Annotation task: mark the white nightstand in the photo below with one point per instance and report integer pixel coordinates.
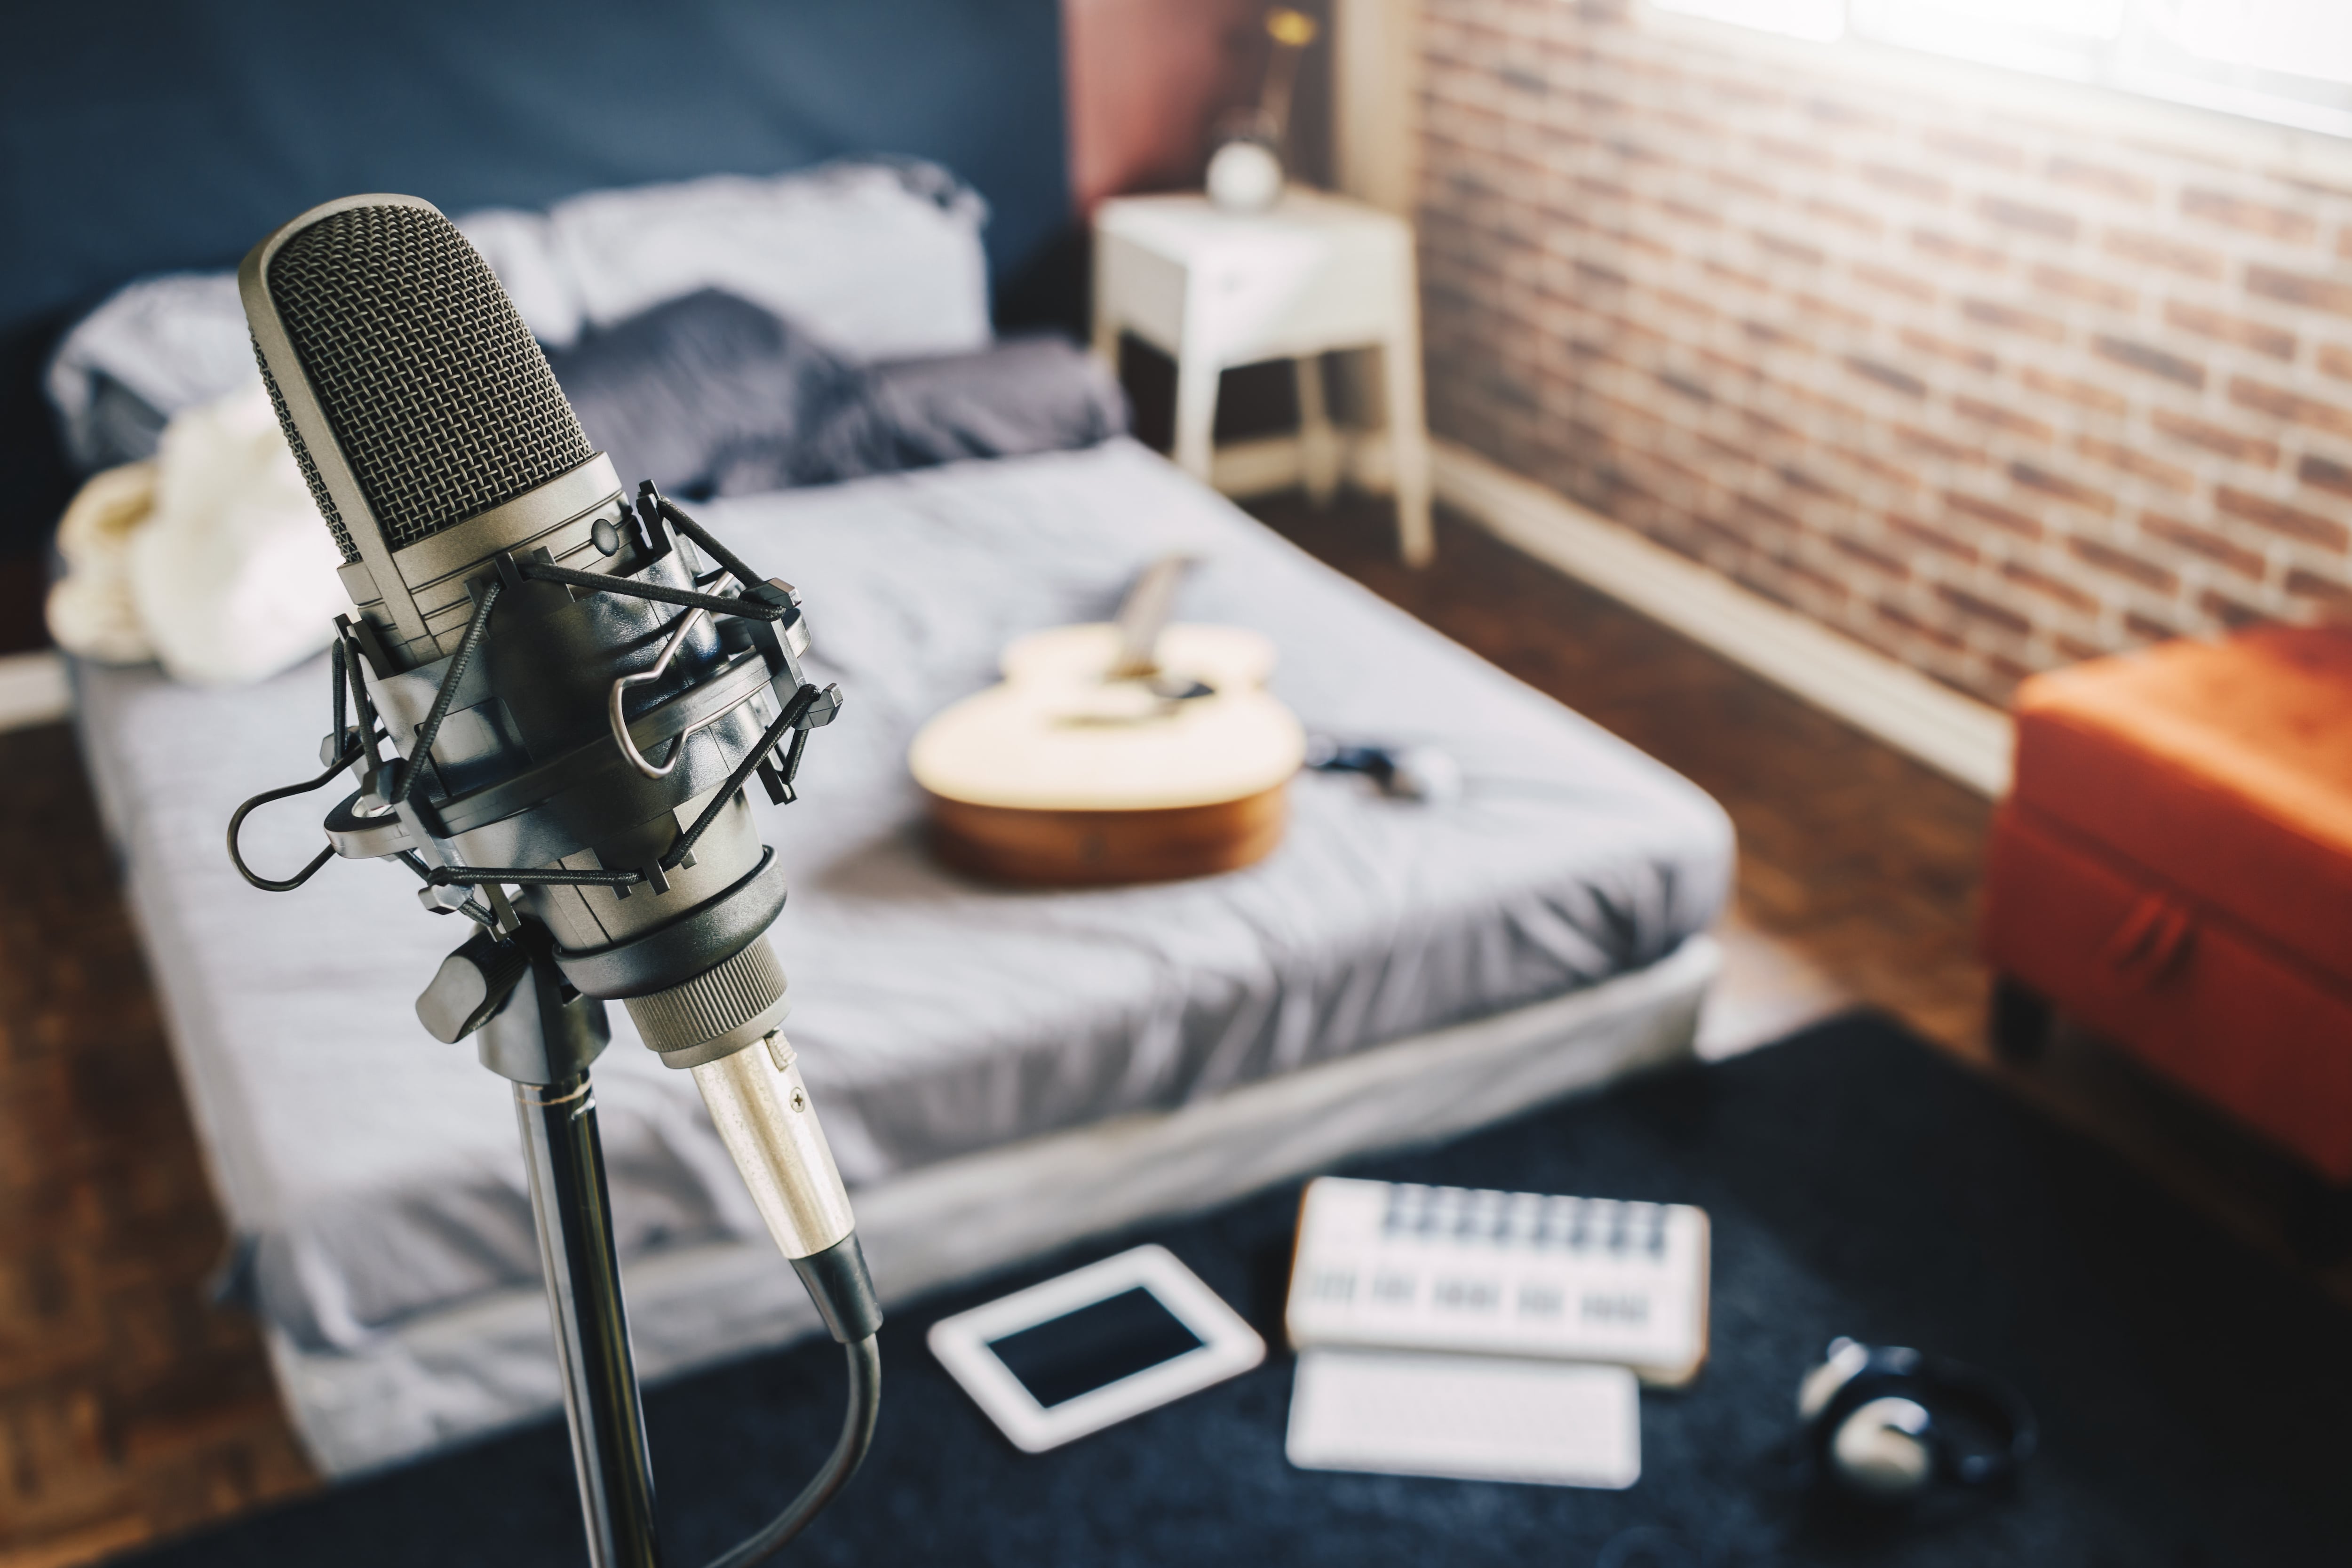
(1316, 274)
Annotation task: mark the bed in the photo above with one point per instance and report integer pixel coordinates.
(1001, 1072)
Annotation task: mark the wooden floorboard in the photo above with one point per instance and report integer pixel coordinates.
(130, 1406)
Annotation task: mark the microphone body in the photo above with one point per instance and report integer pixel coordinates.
(436, 442)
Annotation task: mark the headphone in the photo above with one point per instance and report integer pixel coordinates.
(1887, 1423)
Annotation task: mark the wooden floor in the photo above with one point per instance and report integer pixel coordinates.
(130, 1407)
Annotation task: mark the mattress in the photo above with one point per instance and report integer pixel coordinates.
(445, 1376)
(372, 1175)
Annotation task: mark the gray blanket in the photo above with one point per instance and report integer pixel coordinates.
(374, 1172)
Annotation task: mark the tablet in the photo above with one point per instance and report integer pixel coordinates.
(1088, 1349)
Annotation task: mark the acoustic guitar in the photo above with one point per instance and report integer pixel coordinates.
(1126, 752)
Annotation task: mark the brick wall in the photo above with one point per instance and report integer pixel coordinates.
(1991, 378)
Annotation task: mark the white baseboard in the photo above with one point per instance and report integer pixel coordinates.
(32, 690)
(1958, 736)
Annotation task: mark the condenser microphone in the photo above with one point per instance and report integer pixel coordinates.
(546, 687)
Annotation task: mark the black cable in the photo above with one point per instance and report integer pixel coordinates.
(848, 1451)
(365, 706)
(236, 858)
(793, 711)
(701, 536)
(420, 754)
(605, 583)
(335, 685)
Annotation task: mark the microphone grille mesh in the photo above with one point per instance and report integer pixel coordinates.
(302, 460)
(442, 403)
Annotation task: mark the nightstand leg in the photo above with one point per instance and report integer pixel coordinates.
(1319, 443)
(1409, 448)
(1106, 312)
(1196, 415)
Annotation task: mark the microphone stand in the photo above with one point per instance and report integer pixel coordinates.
(541, 1038)
(543, 1041)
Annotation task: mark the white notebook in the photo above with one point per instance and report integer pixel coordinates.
(1392, 1266)
(1470, 1417)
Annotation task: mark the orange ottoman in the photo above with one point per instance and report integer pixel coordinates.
(2173, 867)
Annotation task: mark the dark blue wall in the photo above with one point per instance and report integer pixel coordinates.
(138, 139)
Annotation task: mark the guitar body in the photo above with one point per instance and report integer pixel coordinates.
(1064, 777)
(1105, 848)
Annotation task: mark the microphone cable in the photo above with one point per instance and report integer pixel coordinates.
(864, 1357)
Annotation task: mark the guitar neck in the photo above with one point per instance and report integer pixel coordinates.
(1145, 614)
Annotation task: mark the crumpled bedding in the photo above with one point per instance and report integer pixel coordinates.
(373, 1174)
(208, 558)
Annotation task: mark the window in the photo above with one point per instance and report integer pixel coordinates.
(2283, 60)
(1818, 19)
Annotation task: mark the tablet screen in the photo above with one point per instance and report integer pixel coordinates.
(1097, 1345)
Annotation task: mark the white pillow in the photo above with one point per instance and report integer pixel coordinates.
(880, 259)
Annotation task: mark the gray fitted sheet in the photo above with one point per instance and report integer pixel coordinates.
(372, 1173)
(444, 1377)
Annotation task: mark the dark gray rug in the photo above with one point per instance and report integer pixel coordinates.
(2194, 1398)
